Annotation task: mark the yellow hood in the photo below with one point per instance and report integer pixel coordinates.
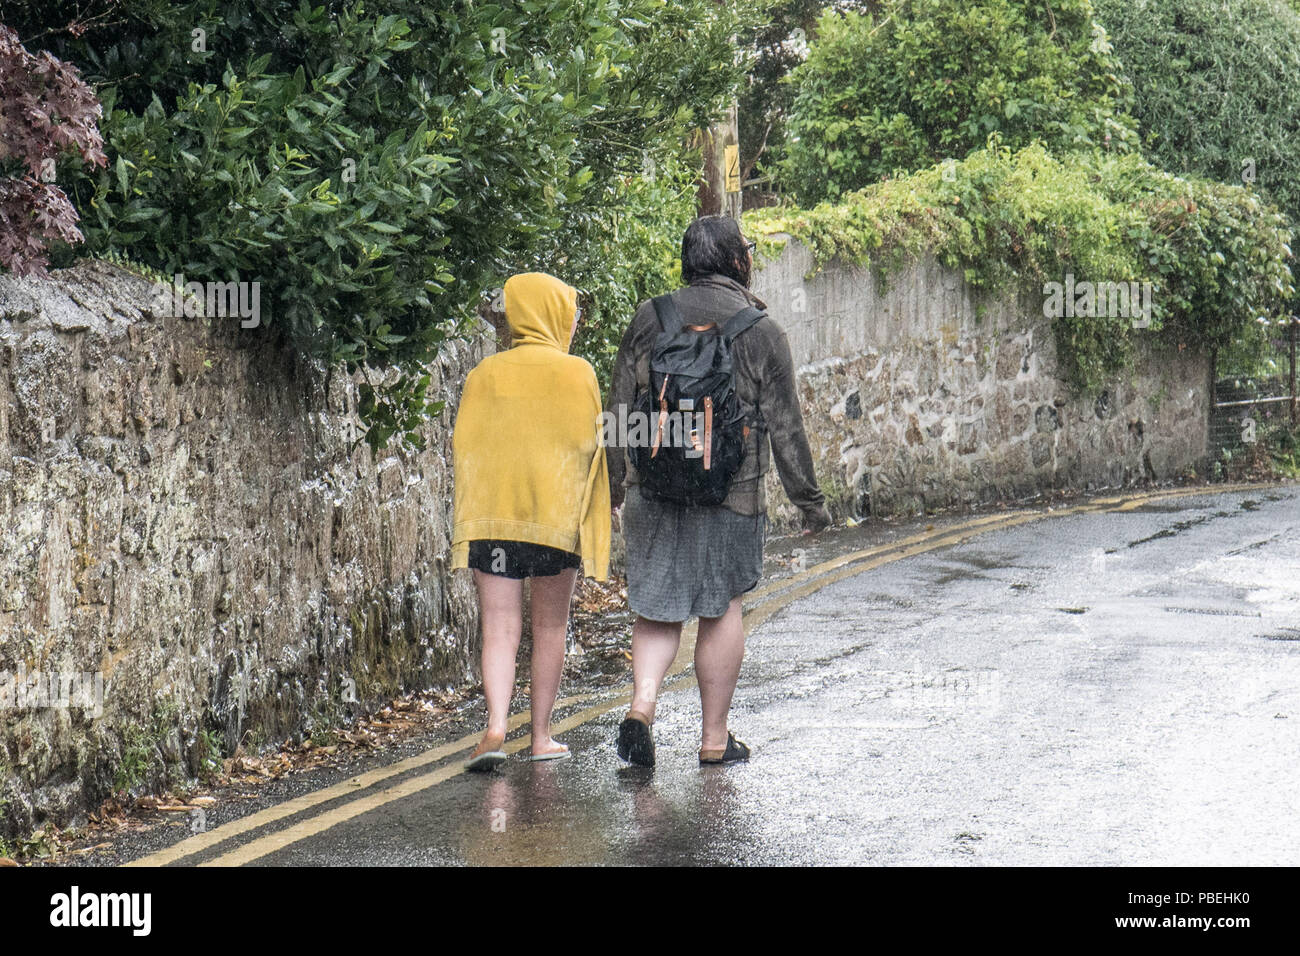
(527, 451)
(539, 310)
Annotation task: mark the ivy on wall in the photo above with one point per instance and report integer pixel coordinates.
(1217, 256)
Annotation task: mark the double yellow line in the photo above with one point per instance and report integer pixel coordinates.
(358, 795)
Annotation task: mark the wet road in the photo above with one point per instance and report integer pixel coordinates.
(1094, 688)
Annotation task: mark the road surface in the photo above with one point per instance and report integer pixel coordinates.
(1117, 683)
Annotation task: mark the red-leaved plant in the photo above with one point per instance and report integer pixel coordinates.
(46, 111)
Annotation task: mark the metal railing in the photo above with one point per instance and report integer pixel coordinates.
(1247, 402)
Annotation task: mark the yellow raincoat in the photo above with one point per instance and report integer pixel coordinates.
(526, 447)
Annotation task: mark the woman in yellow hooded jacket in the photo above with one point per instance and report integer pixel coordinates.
(531, 499)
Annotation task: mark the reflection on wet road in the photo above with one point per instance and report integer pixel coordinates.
(1107, 688)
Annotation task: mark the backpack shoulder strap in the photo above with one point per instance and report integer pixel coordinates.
(670, 320)
(741, 321)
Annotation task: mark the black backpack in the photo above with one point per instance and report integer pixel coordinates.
(696, 422)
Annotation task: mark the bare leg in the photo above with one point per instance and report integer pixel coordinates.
(654, 647)
(719, 649)
(550, 604)
(501, 608)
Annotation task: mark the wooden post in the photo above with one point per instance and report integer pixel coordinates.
(719, 190)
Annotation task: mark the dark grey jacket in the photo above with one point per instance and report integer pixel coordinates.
(765, 382)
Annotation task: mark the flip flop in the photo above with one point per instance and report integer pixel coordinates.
(564, 754)
(486, 761)
(736, 750)
(636, 744)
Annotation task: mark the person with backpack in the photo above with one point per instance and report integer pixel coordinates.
(531, 499)
(706, 383)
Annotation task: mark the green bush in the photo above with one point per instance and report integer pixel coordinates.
(1217, 257)
(779, 43)
(378, 170)
(630, 250)
(920, 81)
(1215, 87)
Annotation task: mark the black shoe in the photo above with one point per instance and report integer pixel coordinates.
(636, 744)
(736, 750)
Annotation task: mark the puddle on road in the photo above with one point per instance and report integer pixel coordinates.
(1254, 546)
(882, 599)
(1214, 611)
(960, 565)
(1246, 504)
(1179, 505)
(1177, 528)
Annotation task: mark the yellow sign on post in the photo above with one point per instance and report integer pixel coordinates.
(732, 156)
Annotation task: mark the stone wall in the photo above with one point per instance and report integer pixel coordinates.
(184, 511)
(914, 401)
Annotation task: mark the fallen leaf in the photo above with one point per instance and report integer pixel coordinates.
(91, 849)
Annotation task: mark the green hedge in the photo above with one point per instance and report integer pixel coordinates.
(1215, 88)
(380, 167)
(1216, 255)
(920, 81)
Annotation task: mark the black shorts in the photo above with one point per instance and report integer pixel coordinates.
(520, 559)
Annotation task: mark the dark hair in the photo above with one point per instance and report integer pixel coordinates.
(713, 245)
